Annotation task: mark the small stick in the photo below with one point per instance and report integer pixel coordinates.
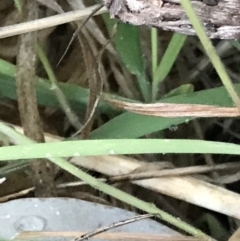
(182, 171)
(112, 226)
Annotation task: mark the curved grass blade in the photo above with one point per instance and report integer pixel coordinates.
(134, 125)
(211, 52)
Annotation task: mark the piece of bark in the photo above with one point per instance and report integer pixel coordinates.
(221, 18)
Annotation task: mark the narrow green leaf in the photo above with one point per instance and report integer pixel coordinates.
(128, 46)
(112, 146)
(211, 51)
(127, 43)
(167, 61)
(77, 96)
(154, 44)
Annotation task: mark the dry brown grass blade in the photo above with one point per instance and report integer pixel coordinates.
(27, 102)
(182, 171)
(189, 189)
(16, 195)
(174, 110)
(93, 72)
(111, 236)
(48, 22)
(89, 60)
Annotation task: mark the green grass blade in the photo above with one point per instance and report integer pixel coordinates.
(167, 62)
(113, 146)
(154, 45)
(77, 96)
(211, 51)
(128, 46)
(112, 191)
(127, 43)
